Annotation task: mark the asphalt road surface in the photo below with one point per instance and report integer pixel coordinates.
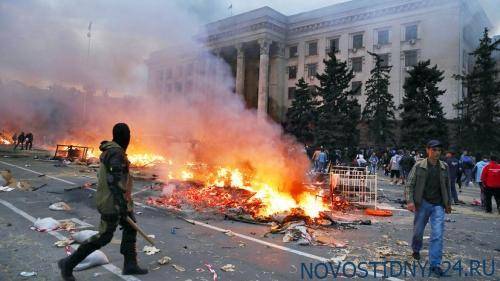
(203, 243)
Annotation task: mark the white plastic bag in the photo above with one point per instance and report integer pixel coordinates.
(95, 259)
(46, 224)
(83, 235)
(60, 206)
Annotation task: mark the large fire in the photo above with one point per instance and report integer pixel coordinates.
(265, 194)
(4, 139)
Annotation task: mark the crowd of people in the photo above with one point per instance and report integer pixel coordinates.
(25, 140)
(464, 169)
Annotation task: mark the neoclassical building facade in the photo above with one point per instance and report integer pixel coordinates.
(267, 52)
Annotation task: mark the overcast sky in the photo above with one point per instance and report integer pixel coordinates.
(45, 41)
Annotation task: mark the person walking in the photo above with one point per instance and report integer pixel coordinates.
(29, 141)
(467, 165)
(114, 203)
(406, 163)
(490, 177)
(322, 160)
(373, 163)
(453, 171)
(14, 139)
(395, 168)
(427, 195)
(477, 171)
(20, 141)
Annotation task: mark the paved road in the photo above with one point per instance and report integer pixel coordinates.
(470, 234)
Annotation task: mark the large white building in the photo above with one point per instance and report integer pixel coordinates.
(268, 52)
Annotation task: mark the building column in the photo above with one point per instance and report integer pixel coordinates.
(281, 81)
(263, 77)
(240, 70)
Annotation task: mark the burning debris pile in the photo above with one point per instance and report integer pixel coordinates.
(239, 196)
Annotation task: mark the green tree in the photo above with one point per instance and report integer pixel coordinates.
(301, 116)
(480, 112)
(422, 116)
(379, 109)
(339, 112)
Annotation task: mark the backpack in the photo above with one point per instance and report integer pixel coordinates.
(493, 178)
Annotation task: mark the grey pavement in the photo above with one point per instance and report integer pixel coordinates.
(470, 234)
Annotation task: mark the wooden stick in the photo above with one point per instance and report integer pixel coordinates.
(141, 232)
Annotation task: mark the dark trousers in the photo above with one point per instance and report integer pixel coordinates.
(29, 145)
(454, 189)
(106, 229)
(19, 143)
(488, 193)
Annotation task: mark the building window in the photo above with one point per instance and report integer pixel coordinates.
(291, 93)
(189, 86)
(168, 74)
(357, 64)
(334, 45)
(292, 72)
(312, 48)
(168, 88)
(384, 59)
(410, 32)
(311, 69)
(293, 51)
(179, 71)
(356, 87)
(189, 69)
(383, 37)
(178, 87)
(357, 41)
(411, 58)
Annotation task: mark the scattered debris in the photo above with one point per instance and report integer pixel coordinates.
(28, 274)
(63, 243)
(476, 202)
(228, 268)
(298, 232)
(24, 186)
(209, 266)
(60, 206)
(83, 235)
(46, 224)
(152, 236)
(450, 220)
(384, 251)
(67, 225)
(378, 212)
(229, 233)
(150, 250)
(402, 243)
(178, 268)
(83, 186)
(6, 188)
(95, 259)
(164, 260)
(38, 187)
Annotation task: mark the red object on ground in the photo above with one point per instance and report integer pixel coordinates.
(378, 212)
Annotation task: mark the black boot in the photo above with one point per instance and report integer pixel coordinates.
(67, 264)
(130, 266)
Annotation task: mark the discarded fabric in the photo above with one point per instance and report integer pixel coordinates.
(228, 268)
(83, 235)
(150, 250)
(164, 260)
(46, 224)
(60, 206)
(95, 259)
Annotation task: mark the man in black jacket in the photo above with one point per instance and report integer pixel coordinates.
(114, 203)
